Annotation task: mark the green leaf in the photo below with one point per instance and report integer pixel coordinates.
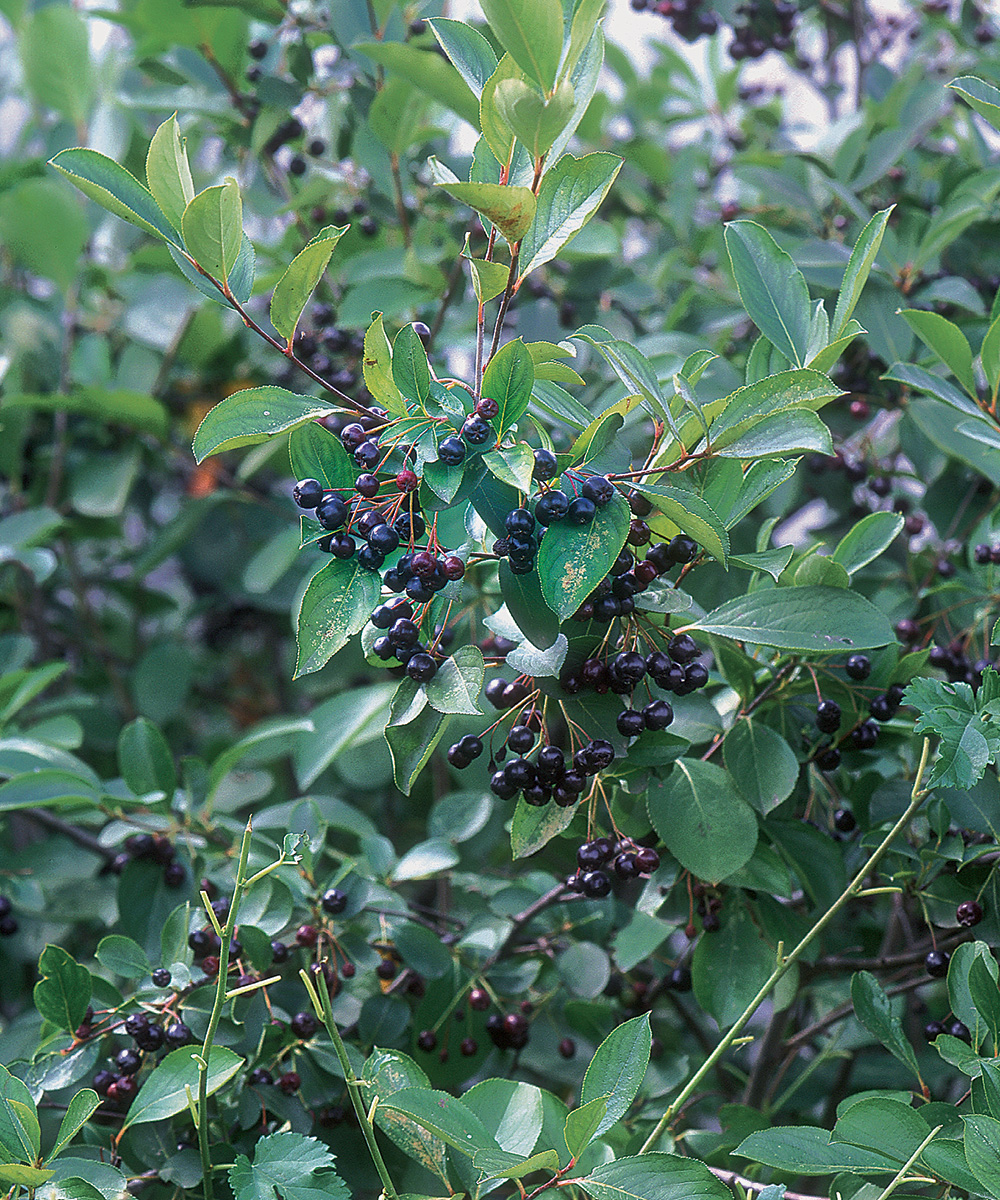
(213, 229)
(805, 1150)
(871, 1007)
(570, 193)
(111, 406)
(582, 1124)
(241, 277)
(316, 453)
(617, 1069)
(47, 786)
(377, 365)
(508, 379)
(947, 341)
(122, 956)
(692, 514)
(412, 743)
(523, 596)
(29, 1177)
(410, 370)
(932, 385)
(335, 606)
(144, 759)
(251, 416)
(287, 1165)
(772, 288)
(389, 1071)
(706, 824)
(772, 396)
(421, 949)
(985, 996)
(80, 1109)
(292, 291)
(44, 229)
(458, 682)
(772, 561)
(497, 1164)
(427, 71)
(511, 1112)
(982, 96)
(113, 188)
(345, 721)
(488, 278)
(970, 738)
(168, 175)
(24, 1121)
(531, 31)
(497, 135)
(989, 353)
(512, 465)
(444, 1116)
(509, 207)
(795, 432)
(655, 1176)
(815, 619)
(963, 1003)
(55, 54)
(533, 826)
(63, 991)
(573, 559)
(878, 1123)
(867, 540)
(470, 53)
(536, 120)
(165, 1092)
(761, 763)
(982, 1150)
(858, 268)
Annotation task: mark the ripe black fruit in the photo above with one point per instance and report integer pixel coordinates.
(936, 963)
(829, 759)
(828, 716)
(334, 901)
(307, 493)
(596, 885)
(303, 1025)
(581, 511)
(161, 977)
(451, 451)
(598, 488)
(657, 715)
(844, 820)
(682, 648)
(858, 667)
(969, 913)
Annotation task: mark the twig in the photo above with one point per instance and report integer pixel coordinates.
(85, 840)
(751, 1185)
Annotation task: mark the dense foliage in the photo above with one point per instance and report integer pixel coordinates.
(545, 734)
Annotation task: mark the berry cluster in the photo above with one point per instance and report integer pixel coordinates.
(322, 347)
(614, 595)
(625, 859)
(767, 25)
(864, 735)
(689, 19)
(150, 1033)
(155, 848)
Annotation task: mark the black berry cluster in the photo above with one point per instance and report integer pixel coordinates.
(614, 595)
(156, 848)
(690, 20)
(597, 861)
(954, 661)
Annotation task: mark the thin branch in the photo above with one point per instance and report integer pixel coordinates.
(86, 841)
(752, 1185)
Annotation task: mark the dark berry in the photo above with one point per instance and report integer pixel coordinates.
(546, 465)
(567, 1047)
(331, 511)
(626, 866)
(581, 511)
(387, 969)
(177, 1034)
(307, 493)
(881, 709)
(307, 936)
(829, 759)
(844, 820)
(596, 885)
(290, 1082)
(858, 667)
(427, 1040)
(161, 977)
(936, 963)
(981, 554)
(260, 1077)
(828, 716)
(257, 49)
(520, 739)
(128, 1061)
(552, 506)
(630, 722)
(682, 549)
(969, 913)
(657, 715)
(479, 999)
(487, 408)
(958, 1030)
(421, 668)
(453, 567)
(865, 736)
(468, 1047)
(648, 860)
(334, 901)
(679, 979)
(279, 952)
(150, 1039)
(683, 649)
(934, 1029)
(451, 451)
(598, 488)
(303, 1025)
(476, 431)
(907, 630)
(136, 1023)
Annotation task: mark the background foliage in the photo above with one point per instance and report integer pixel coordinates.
(154, 695)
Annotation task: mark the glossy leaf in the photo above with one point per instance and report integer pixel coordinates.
(470, 53)
(983, 97)
(573, 559)
(796, 432)
(510, 208)
(508, 379)
(458, 682)
(774, 395)
(772, 288)
(692, 514)
(316, 453)
(866, 540)
(122, 956)
(882, 1124)
(410, 370)
(113, 188)
(292, 291)
(251, 416)
(168, 175)
(871, 1007)
(655, 1176)
(63, 990)
(427, 71)
(531, 31)
(336, 604)
(570, 193)
(809, 1151)
(444, 1116)
(858, 268)
(947, 341)
(389, 1071)
(412, 742)
(534, 826)
(816, 619)
(761, 763)
(212, 225)
(287, 1165)
(705, 823)
(982, 1151)
(527, 606)
(536, 120)
(80, 1109)
(617, 1070)
(583, 1123)
(144, 759)
(165, 1092)
(377, 365)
